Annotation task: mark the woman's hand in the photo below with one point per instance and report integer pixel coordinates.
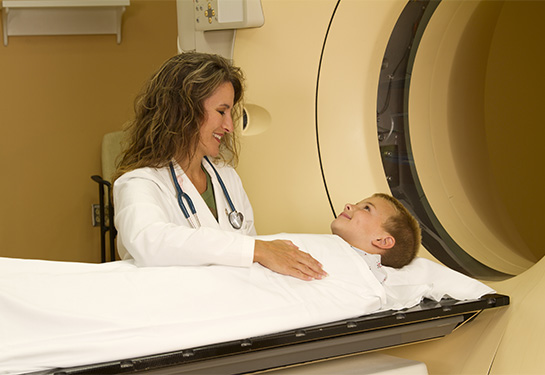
(285, 258)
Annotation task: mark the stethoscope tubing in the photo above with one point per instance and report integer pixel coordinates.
(181, 195)
(229, 201)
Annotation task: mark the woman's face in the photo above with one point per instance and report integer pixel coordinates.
(217, 120)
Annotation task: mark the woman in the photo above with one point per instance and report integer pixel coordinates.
(183, 141)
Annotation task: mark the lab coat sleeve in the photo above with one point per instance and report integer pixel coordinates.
(154, 232)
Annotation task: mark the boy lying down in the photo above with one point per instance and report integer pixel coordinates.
(380, 229)
(62, 314)
(380, 225)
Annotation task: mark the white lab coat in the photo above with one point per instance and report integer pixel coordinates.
(153, 230)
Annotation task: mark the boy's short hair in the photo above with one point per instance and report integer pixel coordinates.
(406, 232)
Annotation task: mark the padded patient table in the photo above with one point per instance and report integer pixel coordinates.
(428, 320)
(110, 318)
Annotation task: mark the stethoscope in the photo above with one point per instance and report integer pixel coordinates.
(235, 218)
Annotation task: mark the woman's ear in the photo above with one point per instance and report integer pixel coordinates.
(385, 242)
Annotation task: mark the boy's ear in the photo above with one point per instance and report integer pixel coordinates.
(385, 242)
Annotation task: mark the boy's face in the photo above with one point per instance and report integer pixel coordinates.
(361, 224)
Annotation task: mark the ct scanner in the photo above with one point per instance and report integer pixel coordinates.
(433, 101)
(428, 100)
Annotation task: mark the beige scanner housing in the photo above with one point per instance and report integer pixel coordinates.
(476, 127)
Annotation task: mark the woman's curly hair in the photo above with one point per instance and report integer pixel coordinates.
(170, 109)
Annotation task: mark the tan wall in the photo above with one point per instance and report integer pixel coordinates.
(59, 95)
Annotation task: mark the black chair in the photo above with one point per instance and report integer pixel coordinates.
(106, 217)
(111, 148)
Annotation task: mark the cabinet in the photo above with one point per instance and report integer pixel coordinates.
(62, 17)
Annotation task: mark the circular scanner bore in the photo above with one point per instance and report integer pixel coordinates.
(475, 123)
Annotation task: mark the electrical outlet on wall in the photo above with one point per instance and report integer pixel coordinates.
(95, 217)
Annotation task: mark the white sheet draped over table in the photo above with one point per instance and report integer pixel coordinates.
(62, 314)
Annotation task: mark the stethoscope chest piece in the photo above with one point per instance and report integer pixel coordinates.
(236, 218)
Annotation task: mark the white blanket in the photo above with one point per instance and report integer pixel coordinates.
(62, 314)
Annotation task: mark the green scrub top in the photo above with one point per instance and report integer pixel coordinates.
(209, 196)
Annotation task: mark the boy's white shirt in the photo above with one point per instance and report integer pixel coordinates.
(374, 263)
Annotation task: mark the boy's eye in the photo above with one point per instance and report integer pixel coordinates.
(367, 207)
